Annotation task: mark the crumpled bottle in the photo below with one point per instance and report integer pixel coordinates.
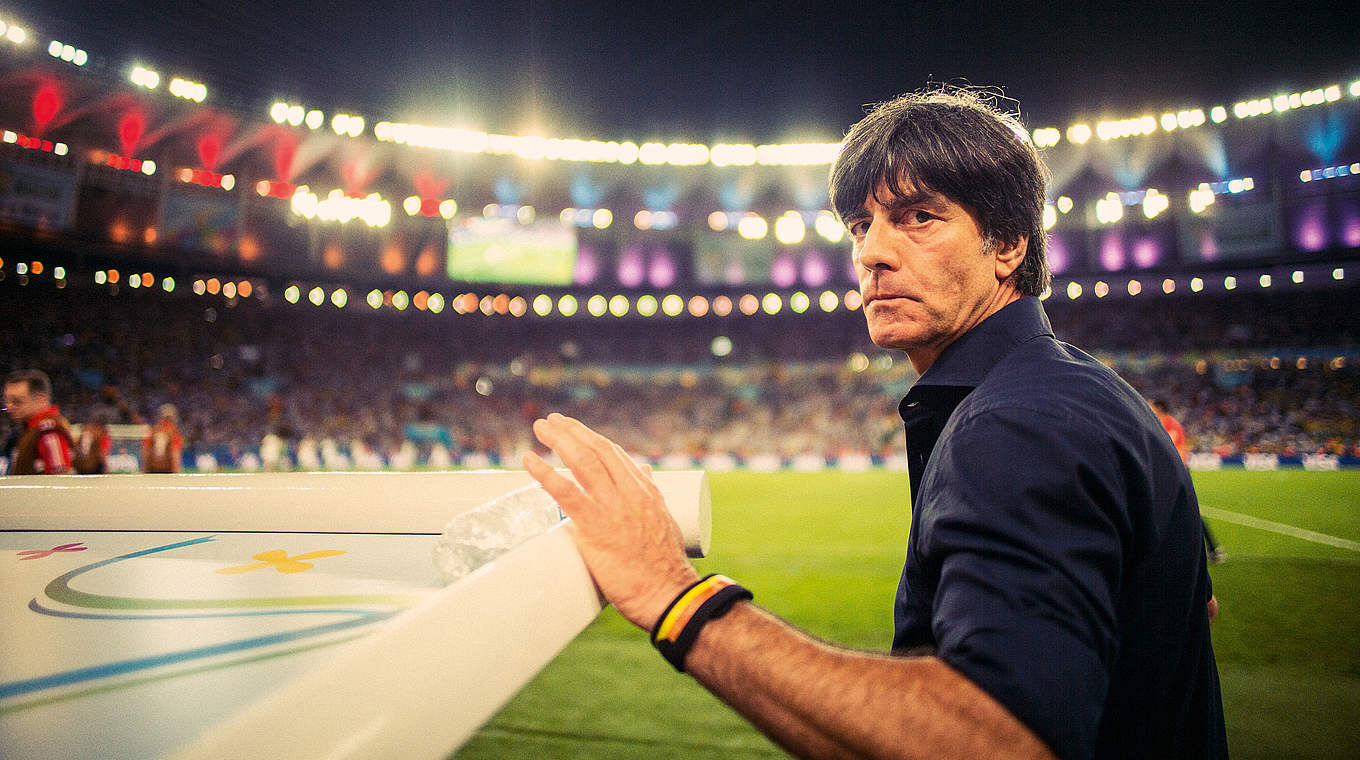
(475, 537)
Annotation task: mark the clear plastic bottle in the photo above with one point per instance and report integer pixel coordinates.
(475, 537)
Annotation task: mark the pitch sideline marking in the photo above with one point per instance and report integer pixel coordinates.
(1282, 528)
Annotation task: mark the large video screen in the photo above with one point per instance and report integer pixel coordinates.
(504, 250)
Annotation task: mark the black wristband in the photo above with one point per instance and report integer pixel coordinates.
(686, 615)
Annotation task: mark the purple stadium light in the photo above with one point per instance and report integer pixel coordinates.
(1311, 233)
(1059, 258)
(783, 272)
(661, 271)
(587, 266)
(631, 269)
(1208, 244)
(1146, 252)
(1350, 228)
(1111, 251)
(815, 270)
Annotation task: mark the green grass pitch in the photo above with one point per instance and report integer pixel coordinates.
(824, 551)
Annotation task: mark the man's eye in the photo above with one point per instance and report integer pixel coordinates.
(858, 227)
(921, 217)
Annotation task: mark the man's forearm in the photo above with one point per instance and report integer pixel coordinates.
(817, 700)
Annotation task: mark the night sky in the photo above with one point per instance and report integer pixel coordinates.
(713, 71)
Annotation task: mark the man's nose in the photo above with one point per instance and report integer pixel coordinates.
(875, 252)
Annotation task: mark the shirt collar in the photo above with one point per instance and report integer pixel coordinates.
(966, 361)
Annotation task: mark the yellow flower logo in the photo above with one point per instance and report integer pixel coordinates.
(279, 560)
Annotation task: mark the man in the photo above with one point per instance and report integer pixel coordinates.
(1054, 601)
(1215, 553)
(44, 443)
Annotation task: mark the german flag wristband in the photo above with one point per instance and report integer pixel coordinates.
(680, 624)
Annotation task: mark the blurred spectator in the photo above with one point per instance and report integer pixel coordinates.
(163, 447)
(43, 446)
(92, 448)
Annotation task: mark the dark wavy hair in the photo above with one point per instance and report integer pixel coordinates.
(956, 142)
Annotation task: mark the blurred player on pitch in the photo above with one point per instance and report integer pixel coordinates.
(1055, 600)
(44, 443)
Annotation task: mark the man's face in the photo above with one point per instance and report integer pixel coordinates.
(21, 403)
(926, 274)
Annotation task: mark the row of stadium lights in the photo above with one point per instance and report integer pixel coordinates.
(684, 154)
(568, 305)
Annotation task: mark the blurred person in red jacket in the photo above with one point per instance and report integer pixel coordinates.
(161, 449)
(44, 443)
(1174, 429)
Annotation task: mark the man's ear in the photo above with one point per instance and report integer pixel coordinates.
(1009, 256)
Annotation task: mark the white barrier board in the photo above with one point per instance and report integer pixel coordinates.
(284, 615)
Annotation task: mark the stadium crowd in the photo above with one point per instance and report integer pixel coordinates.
(1244, 373)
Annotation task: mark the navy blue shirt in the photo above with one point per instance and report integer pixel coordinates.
(1056, 554)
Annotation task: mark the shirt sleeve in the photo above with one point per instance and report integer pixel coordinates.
(1026, 516)
(55, 452)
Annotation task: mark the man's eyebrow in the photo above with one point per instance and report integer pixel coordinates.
(915, 198)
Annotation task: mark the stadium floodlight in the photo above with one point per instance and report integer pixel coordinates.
(602, 218)
(279, 112)
(672, 305)
(1230, 283)
(733, 155)
(1168, 286)
(566, 305)
(1109, 209)
(752, 227)
(339, 297)
(722, 306)
(720, 346)
(1047, 137)
(1338, 274)
(1218, 114)
(829, 227)
(1079, 134)
(771, 304)
(1265, 281)
(436, 303)
(1196, 284)
(597, 305)
(1074, 290)
(619, 306)
(1135, 287)
(543, 304)
(1297, 277)
(58, 273)
(1154, 203)
(647, 305)
(1101, 289)
(314, 119)
(316, 295)
(717, 221)
(1050, 216)
(518, 306)
(144, 77)
(799, 302)
(1168, 122)
(789, 228)
(829, 301)
(698, 306)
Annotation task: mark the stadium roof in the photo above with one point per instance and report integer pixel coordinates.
(713, 71)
